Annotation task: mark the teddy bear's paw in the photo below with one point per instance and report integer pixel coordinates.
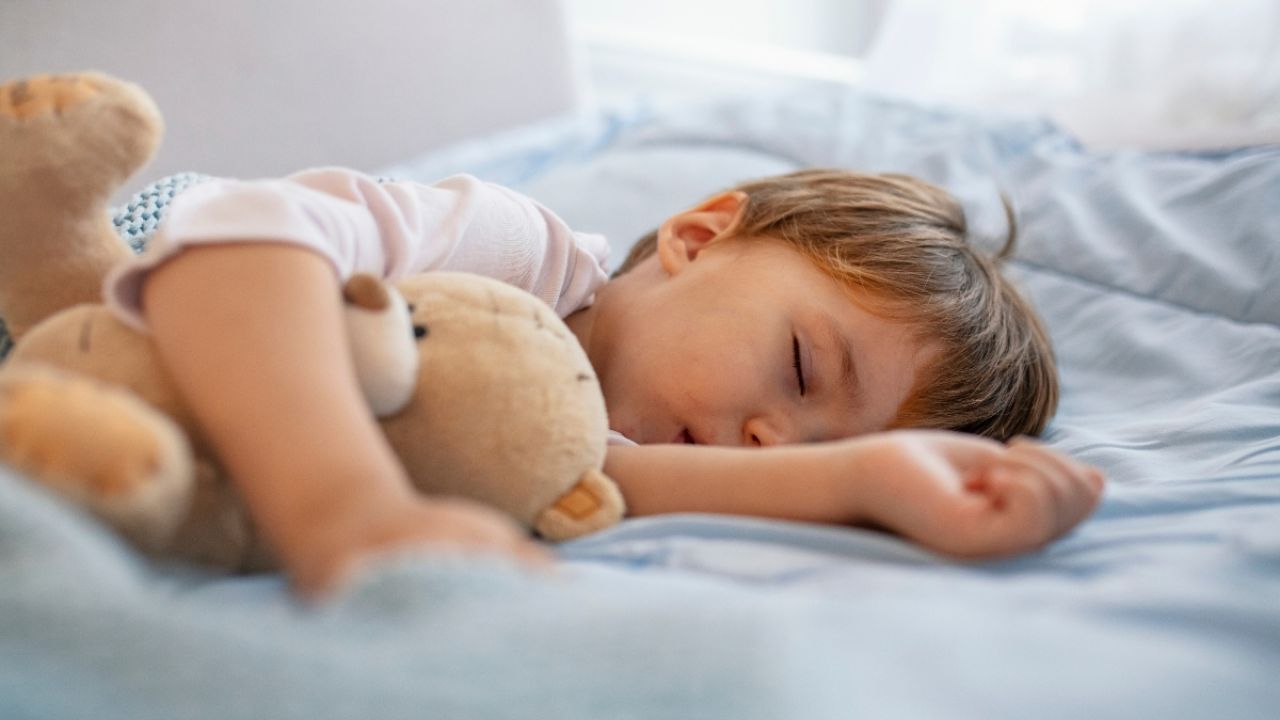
(45, 94)
(94, 127)
(594, 503)
(99, 447)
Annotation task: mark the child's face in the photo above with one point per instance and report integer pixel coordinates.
(703, 346)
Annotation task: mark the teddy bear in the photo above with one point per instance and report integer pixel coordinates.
(481, 390)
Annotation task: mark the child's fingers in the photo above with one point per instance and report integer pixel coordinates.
(1074, 486)
(1025, 491)
(1083, 479)
(965, 451)
(1041, 462)
(480, 529)
(1067, 464)
(534, 554)
(1043, 486)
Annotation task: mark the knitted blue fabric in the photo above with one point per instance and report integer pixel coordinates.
(135, 221)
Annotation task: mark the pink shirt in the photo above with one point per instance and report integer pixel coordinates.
(391, 229)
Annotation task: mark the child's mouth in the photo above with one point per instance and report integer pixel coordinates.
(685, 438)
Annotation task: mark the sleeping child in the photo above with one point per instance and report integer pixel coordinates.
(825, 346)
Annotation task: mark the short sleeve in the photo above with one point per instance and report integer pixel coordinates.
(361, 224)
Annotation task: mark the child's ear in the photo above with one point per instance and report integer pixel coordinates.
(686, 234)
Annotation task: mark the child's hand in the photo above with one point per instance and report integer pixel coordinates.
(367, 530)
(970, 497)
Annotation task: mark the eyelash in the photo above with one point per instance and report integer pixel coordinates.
(795, 355)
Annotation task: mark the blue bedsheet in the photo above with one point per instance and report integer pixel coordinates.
(1159, 276)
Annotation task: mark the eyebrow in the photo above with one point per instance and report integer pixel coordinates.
(848, 368)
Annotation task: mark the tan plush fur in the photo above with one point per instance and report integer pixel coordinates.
(500, 403)
(116, 129)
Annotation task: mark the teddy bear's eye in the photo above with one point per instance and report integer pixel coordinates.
(420, 331)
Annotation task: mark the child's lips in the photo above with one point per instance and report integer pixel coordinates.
(684, 437)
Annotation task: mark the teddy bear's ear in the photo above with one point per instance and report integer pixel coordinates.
(382, 339)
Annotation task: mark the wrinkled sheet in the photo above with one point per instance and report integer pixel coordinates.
(1160, 281)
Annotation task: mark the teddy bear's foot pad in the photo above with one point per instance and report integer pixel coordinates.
(592, 504)
(99, 447)
(46, 94)
(85, 133)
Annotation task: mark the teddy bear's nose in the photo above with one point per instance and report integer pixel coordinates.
(420, 331)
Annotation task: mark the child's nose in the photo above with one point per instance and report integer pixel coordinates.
(760, 432)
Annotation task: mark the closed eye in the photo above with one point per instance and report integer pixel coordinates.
(795, 356)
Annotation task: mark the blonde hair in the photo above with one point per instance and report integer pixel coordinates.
(905, 242)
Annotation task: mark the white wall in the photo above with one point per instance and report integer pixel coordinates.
(252, 88)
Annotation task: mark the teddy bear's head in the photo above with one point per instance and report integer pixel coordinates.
(483, 389)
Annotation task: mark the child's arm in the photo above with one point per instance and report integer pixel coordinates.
(252, 336)
(955, 494)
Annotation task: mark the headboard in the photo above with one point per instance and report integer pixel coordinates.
(252, 88)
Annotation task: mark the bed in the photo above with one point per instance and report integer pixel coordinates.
(1159, 277)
